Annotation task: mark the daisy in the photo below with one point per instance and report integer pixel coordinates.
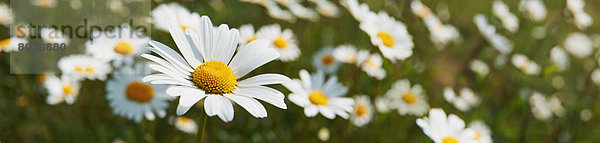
(276, 12)
(363, 110)
(389, 35)
(323, 134)
(440, 34)
(524, 64)
(465, 99)
(358, 11)
(283, 42)
(6, 16)
(299, 10)
(208, 69)
(64, 89)
(543, 108)
(509, 20)
(578, 44)
(326, 8)
(131, 98)
(582, 19)
(595, 76)
(346, 54)
(325, 60)
(383, 104)
(51, 35)
(488, 31)
(121, 45)
(560, 58)
(407, 100)
(84, 67)
(317, 95)
(445, 129)
(586, 115)
(186, 125)
(372, 65)
(44, 3)
(534, 9)
(247, 34)
(11, 44)
(482, 131)
(479, 67)
(163, 14)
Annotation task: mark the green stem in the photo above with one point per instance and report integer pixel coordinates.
(200, 132)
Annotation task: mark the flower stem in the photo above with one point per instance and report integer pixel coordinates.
(200, 132)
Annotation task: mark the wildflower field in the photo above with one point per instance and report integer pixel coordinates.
(468, 71)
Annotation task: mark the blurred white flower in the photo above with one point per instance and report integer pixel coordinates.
(445, 129)
(390, 35)
(535, 9)
(186, 125)
(372, 65)
(509, 20)
(346, 54)
(440, 34)
(63, 89)
(479, 67)
(317, 95)
(524, 64)
(488, 31)
(360, 12)
(596, 76)
(406, 99)
(163, 14)
(324, 60)
(383, 104)
(44, 3)
(276, 12)
(582, 19)
(51, 35)
(247, 34)
(579, 45)
(326, 8)
(6, 16)
(586, 115)
(12, 44)
(323, 134)
(465, 100)
(482, 131)
(560, 58)
(120, 46)
(299, 10)
(283, 41)
(363, 110)
(543, 108)
(84, 67)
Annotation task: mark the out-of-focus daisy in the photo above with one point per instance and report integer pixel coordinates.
(440, 34)
(6, 16)
(247, 34)
(560, 58)
(358, 11)
(121, 48)
(115, 6)
(84, 66)
(50, 35)
(131, 98)
(596, 76)
(482, 131)
(326, 8)
(346, 54)
(543, 108)
(534, 9)
(407, 99)
(325, 60)
(63, 89)
(276, 12)
(208, 69)
(389, 35)
(317, 95)
(479, 67)
(582, 19)
(186, 125)
(488, 31)
(299, 10)
(372, 65)
(578, 45)
(283, 42)
(363, 110)
(44, 3)
(75, 4)
(465, 99)
(509, 20)
(586, 115)
(323, 134)
(173, 12)
(445, 129)
(383, 104)
(524, 64)
(11, 44)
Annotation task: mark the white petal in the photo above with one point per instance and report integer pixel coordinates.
(183, 45)
(190, 100)
(305, 78)
(250, 104)
(264, 79)
(294, 86)
(266, 94)
(170, 55)
(206, 36)
(325, 111)
(211, 105)
(299, 100)
(149, 116)
(166, 71)
(225, 110)
(224, 48)
(166, 64)
(254, 54)
(182, 109)
(311, 111)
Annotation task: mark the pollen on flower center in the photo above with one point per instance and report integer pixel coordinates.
(477, 135)
(68, 89)
(386, 38)
(280, 43)
(139, 92)
(318, 98)
(214, 77)
(123, 48)
(327, 59)
(409, 97)
(449, 140)
(360, 110)
(79, 69)
(89, 69)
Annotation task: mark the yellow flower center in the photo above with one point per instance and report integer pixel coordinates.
(79, 69)
(89, 69)
(423, 12)
(44, 3)
(449, 140)
(281, 43)
(4, 43)
(254, 37)
(318, 98)
(409, 97)
(123, 48)
(183, 27)
(214, 77)
(327, 59)
(68, 89)
(360, 110)
(139, 92)
(477, 135)
(183, 119)
(386, 38)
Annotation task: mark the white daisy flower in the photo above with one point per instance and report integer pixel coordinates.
(316, 95)
(479, 67)
(121, 45)
(299, 10)
(543, 108)
(509, 20)
(358, 11)
(326, 8)
(276, 12)
(579, 45)
(247, 34)
(445, 129)
(534, 9)
(64, 89)
(406, 99)
(560, 58)
(346, 54)
(440, 34)
(372, 65)
(208, 68)
(482, 131)
(173, 12)
(283, 42)
(84, 67)
(44, 3)
(596, 76)
(464, 101)
(263, 3)
(186, 125)
(363, 110)
(325, 60)
(389, 35)
(582, 19)
(488, 31)
(50, 35)
(6, 16)
(524, 64)
(11, 44)
(131, 98)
